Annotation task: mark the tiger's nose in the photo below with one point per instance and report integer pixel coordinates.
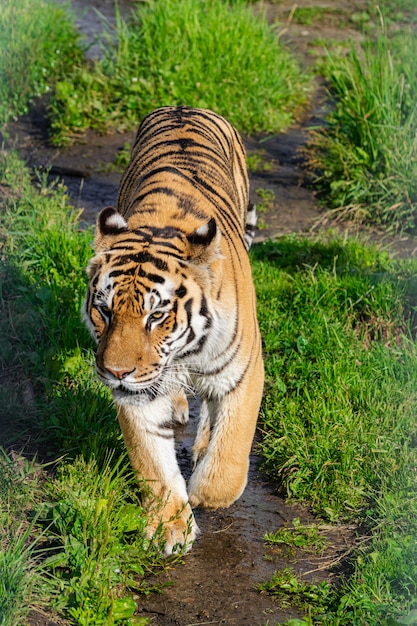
(120, 374)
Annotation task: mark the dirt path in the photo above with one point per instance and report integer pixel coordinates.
(217, 583)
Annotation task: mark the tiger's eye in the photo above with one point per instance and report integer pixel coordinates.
(105, 312)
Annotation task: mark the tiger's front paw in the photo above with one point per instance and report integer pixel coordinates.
(177, 532)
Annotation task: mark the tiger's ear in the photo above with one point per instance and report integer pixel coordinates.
(204, 243)
(109, 222)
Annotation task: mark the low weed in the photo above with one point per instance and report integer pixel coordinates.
(309, 16)
(184, 53)
(339, 412)
(258, 162)
(267, 197)
(38, 45)
(365, 158)
(308, 538)
(403, 10)
(289, 590)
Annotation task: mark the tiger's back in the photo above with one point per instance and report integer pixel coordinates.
(172, 305)
(203, 158)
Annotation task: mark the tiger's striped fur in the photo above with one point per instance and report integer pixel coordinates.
(171, 304)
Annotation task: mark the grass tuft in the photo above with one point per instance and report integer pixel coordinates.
(364, 159)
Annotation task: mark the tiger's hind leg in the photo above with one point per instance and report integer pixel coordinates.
(203, 434)
(220, 476)
(149, 438)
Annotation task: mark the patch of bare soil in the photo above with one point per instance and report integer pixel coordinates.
(216, 584)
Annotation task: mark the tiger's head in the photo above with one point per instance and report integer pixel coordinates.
(148, 302)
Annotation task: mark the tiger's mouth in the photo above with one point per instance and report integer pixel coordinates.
(150, 392)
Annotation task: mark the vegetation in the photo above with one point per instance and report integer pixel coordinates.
(290, 590)
(364, 159)
(38, 44)
(339, 412)
(308, 538)
(258, 162)
(81, 530)
(167, 54)
(338, 318)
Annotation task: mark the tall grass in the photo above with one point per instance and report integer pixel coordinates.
(339, 424)
(365, 159)
(212, 54)
(38, 44)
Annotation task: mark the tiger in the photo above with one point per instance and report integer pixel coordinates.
(171, 304)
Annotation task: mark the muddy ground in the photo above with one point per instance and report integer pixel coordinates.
(216, 584)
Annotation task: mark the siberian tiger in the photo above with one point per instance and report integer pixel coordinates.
(171, 304)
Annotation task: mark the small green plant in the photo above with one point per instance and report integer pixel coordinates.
(120, 162)
(38, 45)
(290, 590)
(257, 162)
(308, 538)
(307, 16)
(267, 200)
(185, 53)
(123, 156)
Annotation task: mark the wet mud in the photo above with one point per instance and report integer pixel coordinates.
(217, 582)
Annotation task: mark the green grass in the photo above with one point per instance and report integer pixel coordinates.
(74, 540)
(399, 9)
(20, 574)
(266, 201)
(338, 321)
(217, 55)
(95, 528)
(289, 590)
(364, 159)
(38, 44)
(309, 16)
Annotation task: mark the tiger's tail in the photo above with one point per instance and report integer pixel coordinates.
(250, 226)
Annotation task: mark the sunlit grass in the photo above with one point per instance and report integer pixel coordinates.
(339, 429)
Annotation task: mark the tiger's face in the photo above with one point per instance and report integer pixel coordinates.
(145, 307)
